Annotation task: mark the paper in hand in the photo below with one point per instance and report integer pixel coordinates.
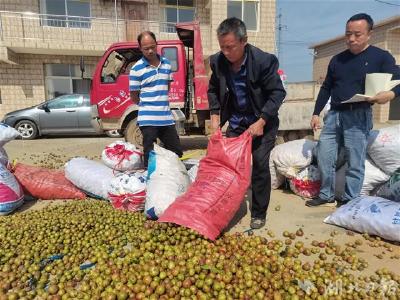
(357, 98)
(374, 83)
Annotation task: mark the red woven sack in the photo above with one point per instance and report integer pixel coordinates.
(46, 184)
(220, 186)
(306, 188)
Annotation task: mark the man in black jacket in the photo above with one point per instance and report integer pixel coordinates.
(348, 125)
(245, 90)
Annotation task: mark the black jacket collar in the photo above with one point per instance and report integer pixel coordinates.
(225, 64)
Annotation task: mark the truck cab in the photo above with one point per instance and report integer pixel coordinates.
(112, 108)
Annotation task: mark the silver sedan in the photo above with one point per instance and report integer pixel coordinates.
(66, 114)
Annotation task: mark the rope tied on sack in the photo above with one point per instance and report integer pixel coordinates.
(120, 153)
(131, 201)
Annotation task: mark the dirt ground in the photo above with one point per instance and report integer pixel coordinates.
(287, 211)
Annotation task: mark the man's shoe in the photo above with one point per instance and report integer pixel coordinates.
(320, 202)
(257, 223)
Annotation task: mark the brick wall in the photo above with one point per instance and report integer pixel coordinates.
(20, 5)
(22, 85)
(264, 38)
(393, 43)
(25, 33)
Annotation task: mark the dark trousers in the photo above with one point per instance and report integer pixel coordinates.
(168, 136)
(261, 177)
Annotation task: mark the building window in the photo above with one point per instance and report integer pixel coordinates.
(246, 10)
(64, 79)
(65, 13)
(176, 11)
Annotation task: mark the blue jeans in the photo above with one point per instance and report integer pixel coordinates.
(348, 129)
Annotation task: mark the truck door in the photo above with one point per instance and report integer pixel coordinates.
(178, 66)
(113, 86)
(189, 33)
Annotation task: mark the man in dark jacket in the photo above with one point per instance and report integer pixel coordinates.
(348, 125)
(245, 90)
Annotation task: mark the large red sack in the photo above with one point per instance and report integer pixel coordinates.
(220, 186)
(46, 184)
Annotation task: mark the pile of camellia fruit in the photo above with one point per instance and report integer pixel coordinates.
(88, 250)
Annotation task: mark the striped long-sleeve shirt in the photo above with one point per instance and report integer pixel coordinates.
(152, 82)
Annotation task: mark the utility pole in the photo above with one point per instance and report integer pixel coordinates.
(280, 27)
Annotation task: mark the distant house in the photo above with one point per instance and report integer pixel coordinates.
(386, 35)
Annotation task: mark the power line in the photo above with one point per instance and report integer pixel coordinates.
(388, 3)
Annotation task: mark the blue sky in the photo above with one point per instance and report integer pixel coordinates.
(306, 22)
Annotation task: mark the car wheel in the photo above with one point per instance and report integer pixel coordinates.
(27, 129)
(113, 133)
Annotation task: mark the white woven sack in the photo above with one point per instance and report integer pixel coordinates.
(289, 158)
(373, 178)
(91, 176)
(391, 189)
(126, 183)
(7, 133)
(372, 215)
(167, 179)
(122, 156)
(277, 179)
(384, 148)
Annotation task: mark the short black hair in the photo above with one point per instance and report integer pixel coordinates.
(141, 35)
(362, 16)
(234, 25)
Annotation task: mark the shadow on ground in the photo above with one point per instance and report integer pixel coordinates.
(242, 211)
(194, 142)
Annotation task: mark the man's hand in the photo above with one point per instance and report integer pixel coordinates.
(257, 128)
(135, 96)
(215, 120)
(382, 97)
(315, 122)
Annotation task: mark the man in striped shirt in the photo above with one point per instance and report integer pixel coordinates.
(149, 81)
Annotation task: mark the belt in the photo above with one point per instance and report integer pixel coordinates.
(351, 106)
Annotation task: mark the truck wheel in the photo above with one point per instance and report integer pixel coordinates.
(133, 134)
